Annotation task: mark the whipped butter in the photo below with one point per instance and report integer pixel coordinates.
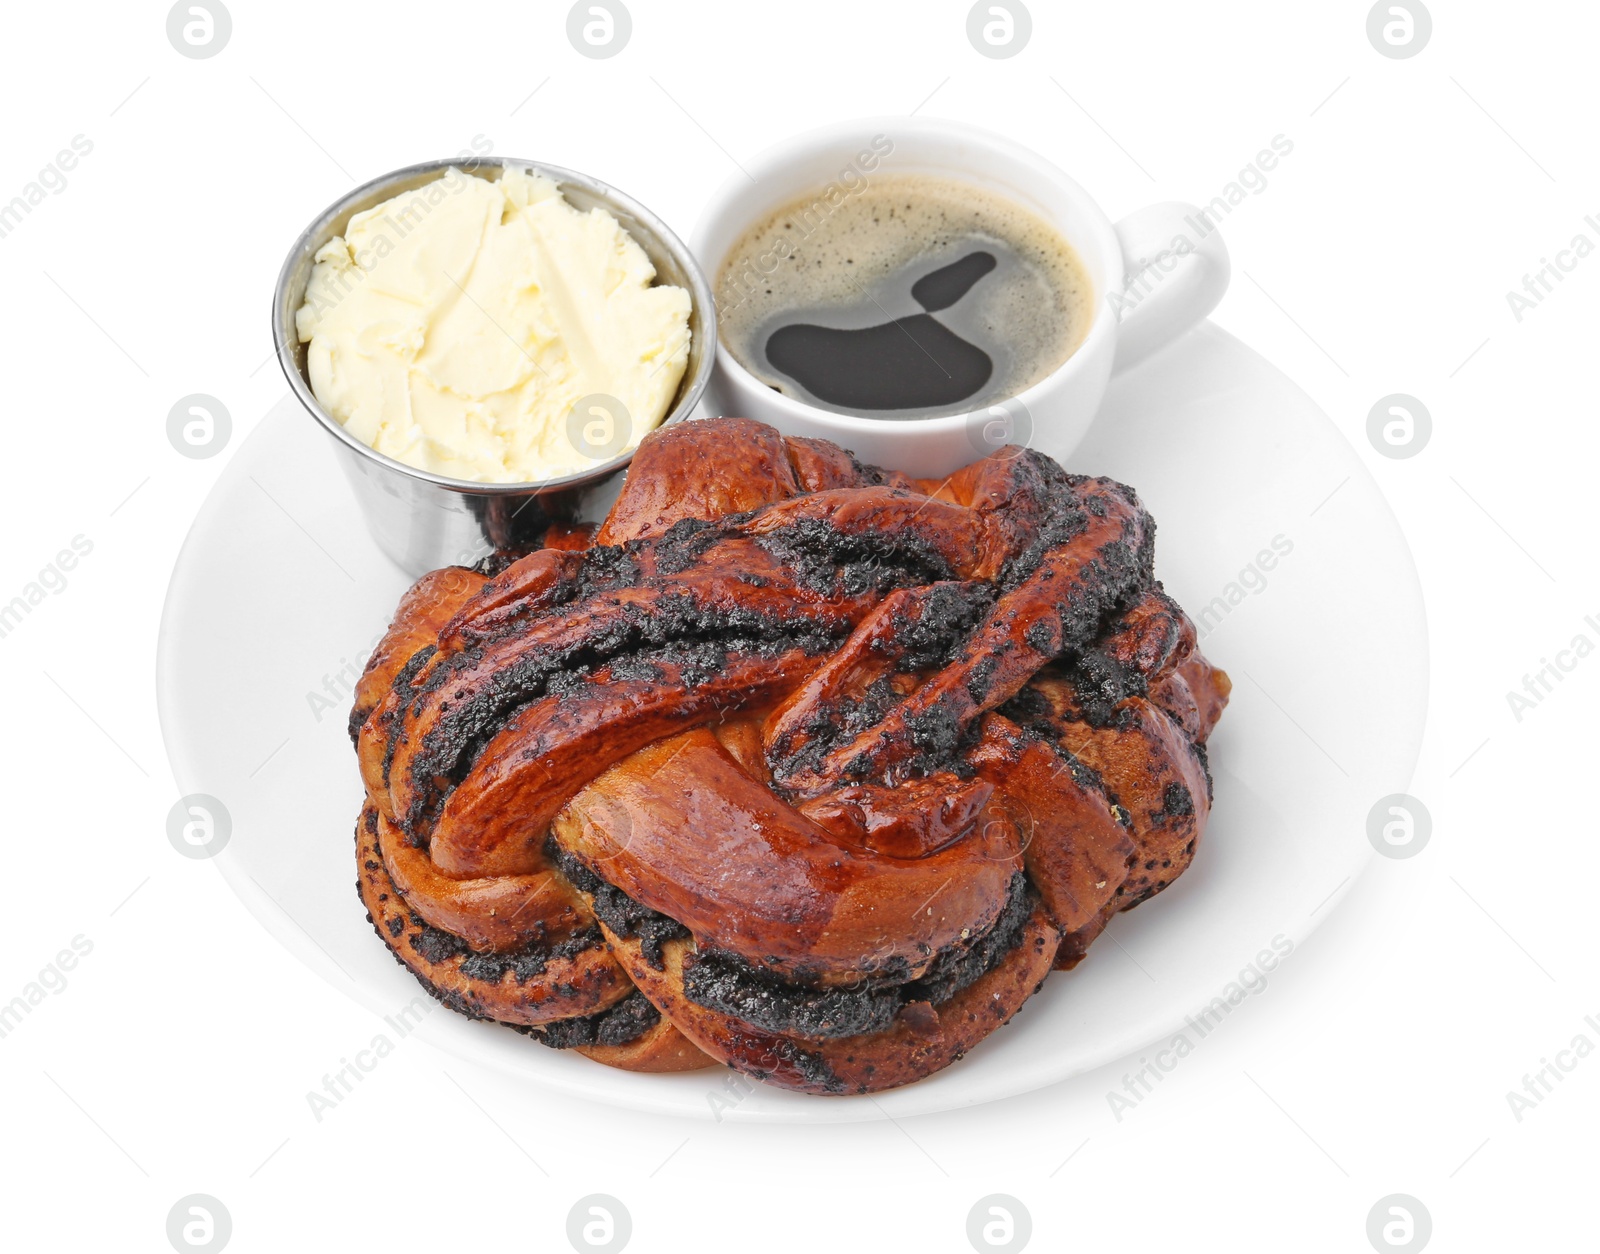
(456, 326)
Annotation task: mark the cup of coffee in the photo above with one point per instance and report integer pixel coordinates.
(924, 292)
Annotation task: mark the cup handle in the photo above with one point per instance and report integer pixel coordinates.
(1175, 277)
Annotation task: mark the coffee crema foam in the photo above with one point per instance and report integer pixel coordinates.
(911, 296)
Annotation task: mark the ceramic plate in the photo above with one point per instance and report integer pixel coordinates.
(1271, 533)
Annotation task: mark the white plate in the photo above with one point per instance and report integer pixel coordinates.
(278, 589)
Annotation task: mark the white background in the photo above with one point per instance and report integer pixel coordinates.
(178, 1058)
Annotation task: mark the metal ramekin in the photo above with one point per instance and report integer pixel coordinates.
(423, 521)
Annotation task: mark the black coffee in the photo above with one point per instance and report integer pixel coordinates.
(912, 296)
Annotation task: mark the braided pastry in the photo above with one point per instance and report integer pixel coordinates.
(794, 764)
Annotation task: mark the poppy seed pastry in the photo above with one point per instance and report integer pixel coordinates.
(795, 765)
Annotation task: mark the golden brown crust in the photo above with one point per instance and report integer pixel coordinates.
(495, 821)
(1079, 851)
(683, 829)
(493, 914)
(924, 1038)
(582, 984)
(687, 471)
(663, 1048)
(524, 588)
(1151, 770)
(423, 611)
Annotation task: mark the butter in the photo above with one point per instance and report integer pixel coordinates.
(455, 327)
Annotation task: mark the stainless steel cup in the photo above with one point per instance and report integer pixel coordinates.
(422, 521)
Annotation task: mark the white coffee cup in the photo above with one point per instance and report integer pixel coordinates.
(1155, 276)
